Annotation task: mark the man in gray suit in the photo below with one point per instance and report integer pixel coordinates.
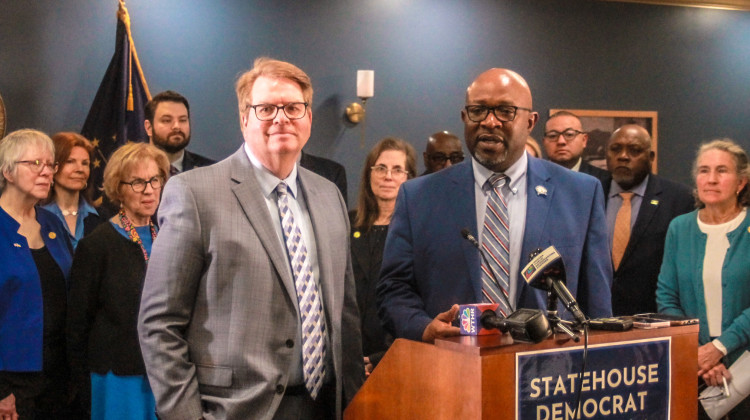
(221, 329)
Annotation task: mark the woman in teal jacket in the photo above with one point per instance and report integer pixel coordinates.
(706, 269)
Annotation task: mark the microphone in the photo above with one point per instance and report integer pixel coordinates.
(546, 271)
(469, 237)
(527, 325)
(468, 318)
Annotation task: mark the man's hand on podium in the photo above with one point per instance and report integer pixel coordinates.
(441, 326)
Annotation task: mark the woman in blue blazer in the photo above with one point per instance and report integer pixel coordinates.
(35, 256)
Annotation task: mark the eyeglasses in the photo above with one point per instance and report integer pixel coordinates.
(382, 170)
(440, 158)
(568, 135)
(504, 113)
(37, 166)
(139, 185)
(292, 110)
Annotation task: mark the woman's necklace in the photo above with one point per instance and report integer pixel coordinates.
(133, 234)
(69, 212)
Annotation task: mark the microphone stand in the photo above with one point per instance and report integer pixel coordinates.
(557, 323)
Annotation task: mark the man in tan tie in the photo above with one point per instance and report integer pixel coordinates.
(640, 206)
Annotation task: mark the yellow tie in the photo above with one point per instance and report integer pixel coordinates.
(622, 229)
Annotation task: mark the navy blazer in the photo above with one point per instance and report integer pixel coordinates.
(428, 266)
(634, 283)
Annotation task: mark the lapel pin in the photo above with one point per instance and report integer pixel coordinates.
(540, 190)
(654, 202)
(52, 235)
(19, 245)
(357, 234)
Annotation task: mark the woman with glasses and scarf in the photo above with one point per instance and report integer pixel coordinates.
(388, 165)
(106, 282)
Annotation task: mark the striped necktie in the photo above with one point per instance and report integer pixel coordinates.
(308, 297)
(496, 243)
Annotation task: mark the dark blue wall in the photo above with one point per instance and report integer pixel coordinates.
(691, 65)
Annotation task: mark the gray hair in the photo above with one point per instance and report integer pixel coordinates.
(740, 160)
(15, 144)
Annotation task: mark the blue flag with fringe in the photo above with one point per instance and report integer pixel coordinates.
(117, 114)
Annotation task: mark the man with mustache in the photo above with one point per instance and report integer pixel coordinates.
(654, 202)
(428, 268)
(168, 126)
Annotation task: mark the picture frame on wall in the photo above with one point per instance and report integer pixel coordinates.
(600, 124)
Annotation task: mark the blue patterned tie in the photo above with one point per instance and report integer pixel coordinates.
(308, 297)
(495, 241)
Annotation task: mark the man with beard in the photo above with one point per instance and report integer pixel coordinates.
(428, 268)
(564, 142)
(638, 243)
(168, 127)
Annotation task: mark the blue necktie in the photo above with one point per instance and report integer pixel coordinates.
(308, 297)
(496, 243)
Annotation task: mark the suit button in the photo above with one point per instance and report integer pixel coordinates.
(279, 389)
(290, 343)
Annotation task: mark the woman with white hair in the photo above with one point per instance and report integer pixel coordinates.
(35, 256)
(706, 269)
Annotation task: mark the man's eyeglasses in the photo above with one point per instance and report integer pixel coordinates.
(381, 171)
(139, 185)
(568, 135)
(504, 113)
(37, 166)
(440, 158)
(292, 110)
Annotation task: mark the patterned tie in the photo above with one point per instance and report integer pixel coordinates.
(308, 297)
(495, 241)
(622, 229)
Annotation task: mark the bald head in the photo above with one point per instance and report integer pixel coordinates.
(498, 140)
(629, 155)
(443, 150)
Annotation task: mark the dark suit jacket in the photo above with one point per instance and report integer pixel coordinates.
(194, 160)
(326, 168)
(598, 173)
(427, 266)
(634, 285)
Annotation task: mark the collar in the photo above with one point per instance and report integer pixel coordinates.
(516, 172)
(268, 181)
(577, 166)
(178, 164)
(640, 190)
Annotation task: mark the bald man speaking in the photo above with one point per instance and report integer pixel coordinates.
(428, 268)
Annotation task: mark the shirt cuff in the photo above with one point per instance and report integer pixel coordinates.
(719, 346)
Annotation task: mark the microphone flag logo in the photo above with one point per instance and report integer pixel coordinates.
(468, 321)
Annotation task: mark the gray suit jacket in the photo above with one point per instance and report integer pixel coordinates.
(218, 318)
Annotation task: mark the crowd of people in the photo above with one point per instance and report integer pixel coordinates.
(246, 289)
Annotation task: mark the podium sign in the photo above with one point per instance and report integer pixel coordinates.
(624, 380)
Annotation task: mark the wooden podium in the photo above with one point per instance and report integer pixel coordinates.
(458, 378)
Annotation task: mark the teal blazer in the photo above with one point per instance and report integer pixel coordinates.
(679, 290)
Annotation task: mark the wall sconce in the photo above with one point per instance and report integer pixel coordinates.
(355, 112)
